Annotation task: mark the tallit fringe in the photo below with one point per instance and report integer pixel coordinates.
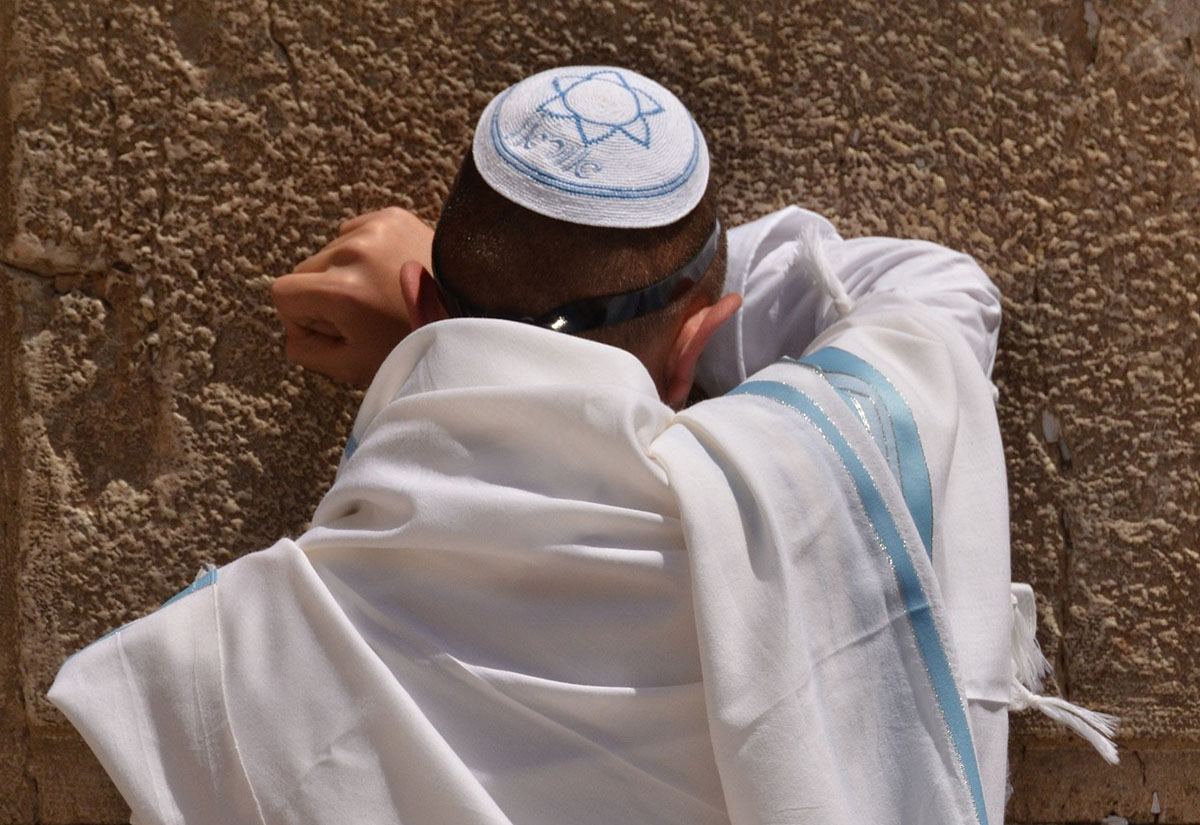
(811, 252)
(1030, 667)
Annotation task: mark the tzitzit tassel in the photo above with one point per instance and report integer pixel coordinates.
(811, 251)
(1030, 667)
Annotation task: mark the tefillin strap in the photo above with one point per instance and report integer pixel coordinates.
(602, 310)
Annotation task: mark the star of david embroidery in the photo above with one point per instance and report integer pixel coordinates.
(602, 104)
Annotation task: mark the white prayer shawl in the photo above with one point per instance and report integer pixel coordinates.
(498, 615)
(841, 626)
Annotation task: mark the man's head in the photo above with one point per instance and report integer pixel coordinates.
(584, 183)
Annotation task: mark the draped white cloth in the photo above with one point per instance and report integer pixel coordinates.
(535, 594)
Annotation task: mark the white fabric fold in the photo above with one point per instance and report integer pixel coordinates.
(821, 707)
(535, 594)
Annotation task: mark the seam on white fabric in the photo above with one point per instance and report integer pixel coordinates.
(164, 805)
(237, 750)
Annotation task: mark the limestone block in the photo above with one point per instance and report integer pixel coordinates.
(72, 787)
(1059, 783)
(162, 160)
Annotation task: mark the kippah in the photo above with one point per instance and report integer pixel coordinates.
(594, 145)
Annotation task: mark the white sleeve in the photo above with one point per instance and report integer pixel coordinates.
(775, 263)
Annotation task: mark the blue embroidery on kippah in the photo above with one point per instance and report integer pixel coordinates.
(591, 130)
(574, 187)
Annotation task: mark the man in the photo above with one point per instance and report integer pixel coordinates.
(536, 593)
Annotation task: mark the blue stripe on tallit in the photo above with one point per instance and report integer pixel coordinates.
(917, 607)
(199, 584)
(887, 417)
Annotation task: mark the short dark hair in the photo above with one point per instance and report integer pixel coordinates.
(483, 239)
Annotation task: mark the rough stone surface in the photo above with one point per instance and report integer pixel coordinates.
(17, 799)
(1066, 783)
(162, 159)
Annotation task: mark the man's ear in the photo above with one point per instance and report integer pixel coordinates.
(421, 296)
(690, 341)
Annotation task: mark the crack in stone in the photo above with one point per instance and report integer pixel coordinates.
(1062, 613)
(7, 127)
(1091, 22)
(110, 100)
(1141, 767)
(17, 269)
(35, 798)
(281, 51)
(1062, 662)
(11, 391)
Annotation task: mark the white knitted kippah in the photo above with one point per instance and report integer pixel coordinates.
(595, 145)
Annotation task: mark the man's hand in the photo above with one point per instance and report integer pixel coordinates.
(342, 309)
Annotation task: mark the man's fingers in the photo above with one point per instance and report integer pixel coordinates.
(315, 351)
(307, 290)
(320, 326)
(314, 301)
(334, 357)
(349, 225)
(389, 214)
(371, 238)
(343, 250)
(350, 246)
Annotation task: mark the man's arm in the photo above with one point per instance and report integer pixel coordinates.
(905, 332)
(342, 308)
(776, 263)
(343, 312)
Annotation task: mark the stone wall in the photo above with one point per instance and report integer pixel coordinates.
(163, 159)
